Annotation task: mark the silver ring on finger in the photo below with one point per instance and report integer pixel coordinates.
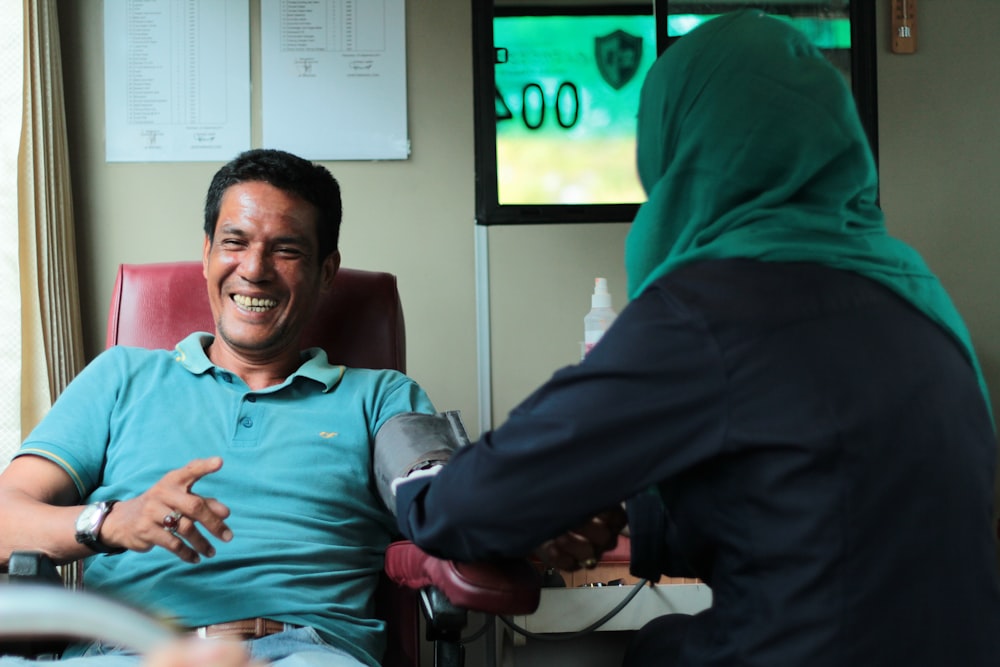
(172, 521)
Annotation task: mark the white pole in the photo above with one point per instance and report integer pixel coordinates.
(483, 351)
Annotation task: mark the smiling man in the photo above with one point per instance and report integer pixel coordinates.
(226, 484)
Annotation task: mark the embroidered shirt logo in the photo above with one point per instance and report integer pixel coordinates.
(327, 434)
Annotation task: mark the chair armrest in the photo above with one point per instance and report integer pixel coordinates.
(32, 567)
(505, 587)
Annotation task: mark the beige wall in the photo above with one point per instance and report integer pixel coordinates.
(413, 217)
(940, 158)
(940, 162)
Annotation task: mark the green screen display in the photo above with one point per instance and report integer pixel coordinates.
(567, 93)
(567, 97)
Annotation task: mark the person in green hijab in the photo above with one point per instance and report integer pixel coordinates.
(789, 405)
(764, 158)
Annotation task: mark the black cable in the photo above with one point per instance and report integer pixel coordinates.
(477, 634)
(563, 636)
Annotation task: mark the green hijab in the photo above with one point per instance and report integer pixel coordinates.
(749, 145)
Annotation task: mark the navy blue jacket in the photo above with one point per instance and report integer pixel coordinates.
(822, 449)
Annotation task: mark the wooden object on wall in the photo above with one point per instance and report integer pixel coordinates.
(904, 26)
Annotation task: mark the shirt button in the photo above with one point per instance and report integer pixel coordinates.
(251, 399)
(247, 422)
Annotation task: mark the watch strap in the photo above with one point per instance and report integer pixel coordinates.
(91, 538)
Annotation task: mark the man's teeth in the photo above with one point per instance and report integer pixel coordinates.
(254, 304)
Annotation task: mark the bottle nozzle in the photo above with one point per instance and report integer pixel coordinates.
(601, 297)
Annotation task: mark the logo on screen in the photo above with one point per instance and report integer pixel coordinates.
(618, 55)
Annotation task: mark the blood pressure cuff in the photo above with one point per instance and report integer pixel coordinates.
(413, 441)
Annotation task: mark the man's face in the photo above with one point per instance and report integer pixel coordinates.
(263, 273)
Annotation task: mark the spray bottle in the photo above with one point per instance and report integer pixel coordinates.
(600, 316)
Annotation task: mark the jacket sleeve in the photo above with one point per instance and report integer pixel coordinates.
(642, 407)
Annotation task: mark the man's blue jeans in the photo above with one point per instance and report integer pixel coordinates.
(296, 647)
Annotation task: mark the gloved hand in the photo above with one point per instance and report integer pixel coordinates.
(583, 546)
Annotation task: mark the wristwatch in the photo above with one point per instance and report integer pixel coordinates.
(88, 526)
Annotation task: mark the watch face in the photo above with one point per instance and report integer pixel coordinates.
(88, 526)
(89, 517)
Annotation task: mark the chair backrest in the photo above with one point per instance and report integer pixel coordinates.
(359, 322)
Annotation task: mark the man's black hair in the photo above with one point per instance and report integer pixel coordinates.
(287, 172)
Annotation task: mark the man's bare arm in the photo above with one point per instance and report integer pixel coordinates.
(39, 506)
(38, 510)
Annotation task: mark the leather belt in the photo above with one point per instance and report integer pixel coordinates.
(247, 628)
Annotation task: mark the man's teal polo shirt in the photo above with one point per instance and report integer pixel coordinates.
(309, 529)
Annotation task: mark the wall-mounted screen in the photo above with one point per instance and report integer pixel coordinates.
(557, 90)
(557, 95)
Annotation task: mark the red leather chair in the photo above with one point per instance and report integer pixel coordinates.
(359, 322)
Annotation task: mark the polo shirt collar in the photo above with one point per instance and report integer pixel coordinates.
(190, 353)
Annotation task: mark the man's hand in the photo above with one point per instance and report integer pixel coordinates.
(143, 522)
(583, 546)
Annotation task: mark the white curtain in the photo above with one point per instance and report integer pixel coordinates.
(11, 72)
(42, 347)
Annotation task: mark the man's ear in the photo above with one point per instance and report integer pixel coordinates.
(206, 249)
(329, 269)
